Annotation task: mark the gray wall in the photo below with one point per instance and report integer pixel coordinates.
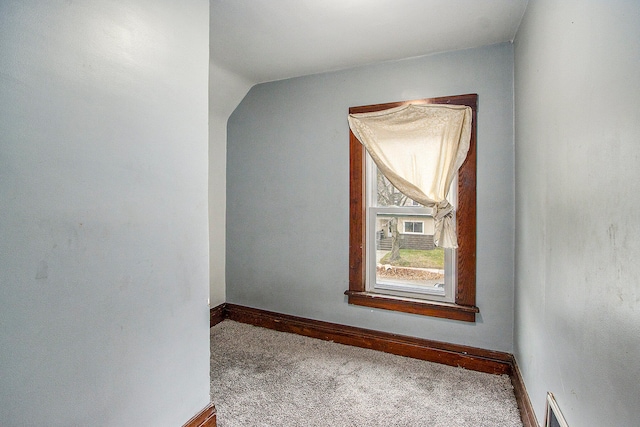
(226, 90)
(288, 183)
(103, 182)
(577, 86)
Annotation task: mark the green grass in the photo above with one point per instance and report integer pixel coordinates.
(417, 258)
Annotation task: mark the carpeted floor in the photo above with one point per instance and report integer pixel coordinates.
(261, 377)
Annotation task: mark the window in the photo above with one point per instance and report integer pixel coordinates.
(413, 227)
(376, 216)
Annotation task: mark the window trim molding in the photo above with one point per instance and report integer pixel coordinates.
(464, 308)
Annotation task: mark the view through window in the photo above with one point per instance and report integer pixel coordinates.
(402, 256)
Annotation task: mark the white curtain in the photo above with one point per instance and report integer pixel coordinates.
(419, 148)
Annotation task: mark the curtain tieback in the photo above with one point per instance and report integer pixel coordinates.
(441, 210)
(444, 235)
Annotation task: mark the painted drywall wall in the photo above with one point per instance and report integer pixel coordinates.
(103, 182)
(577, 68)
(226, 90)
(288, 183)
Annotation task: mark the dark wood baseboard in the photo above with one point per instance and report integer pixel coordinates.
(204, 418)
(449, 354)
(216, 315)
(522, 397)
(476, 359)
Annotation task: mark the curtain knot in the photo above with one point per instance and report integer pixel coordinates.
(442, 209)
(445, 226)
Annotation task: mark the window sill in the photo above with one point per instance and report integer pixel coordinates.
(444, 310)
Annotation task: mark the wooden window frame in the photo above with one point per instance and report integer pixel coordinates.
(464, 308)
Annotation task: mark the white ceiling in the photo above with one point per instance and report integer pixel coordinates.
(266, 40)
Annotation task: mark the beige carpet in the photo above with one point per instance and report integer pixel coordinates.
(261, 377)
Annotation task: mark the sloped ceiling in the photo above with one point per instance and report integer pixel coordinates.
(266, 40)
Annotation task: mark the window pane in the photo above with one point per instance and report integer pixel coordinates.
(408, 262)
(388, 195)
